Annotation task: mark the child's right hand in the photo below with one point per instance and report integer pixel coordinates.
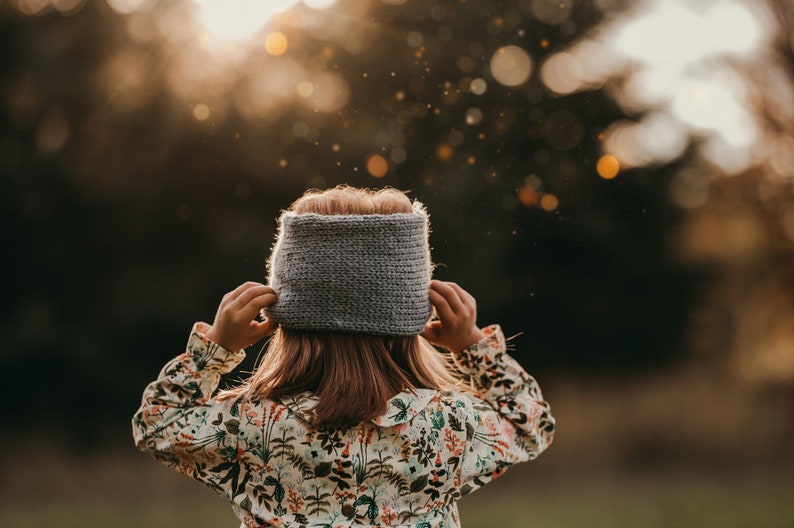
(235, 325)
(456, 327)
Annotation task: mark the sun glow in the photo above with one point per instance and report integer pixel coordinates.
(684, 70)
(243, 19)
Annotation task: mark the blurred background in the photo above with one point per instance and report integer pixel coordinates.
(612, 179)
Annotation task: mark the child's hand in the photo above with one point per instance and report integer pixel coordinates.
(456, 327)
(235, 326)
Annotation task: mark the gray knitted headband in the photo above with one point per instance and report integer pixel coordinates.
(352, 273)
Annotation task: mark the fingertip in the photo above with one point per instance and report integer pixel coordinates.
(436, 285)
(266, 299)
(442, 286)
(437, 299)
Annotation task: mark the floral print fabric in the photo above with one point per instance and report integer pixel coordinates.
(406, 468)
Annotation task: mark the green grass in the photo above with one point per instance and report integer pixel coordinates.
(679, 499)
(134, 491)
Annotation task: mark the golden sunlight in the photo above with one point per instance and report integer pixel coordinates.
(239, 19)
(242, 19)
(685, 70)
(276, 43)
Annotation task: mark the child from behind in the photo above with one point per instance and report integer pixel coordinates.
(352, 417)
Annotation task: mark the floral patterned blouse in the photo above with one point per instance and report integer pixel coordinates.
(406, 468)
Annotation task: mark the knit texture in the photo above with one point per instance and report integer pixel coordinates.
(352, 273)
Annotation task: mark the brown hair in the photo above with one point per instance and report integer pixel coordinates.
(352, 375)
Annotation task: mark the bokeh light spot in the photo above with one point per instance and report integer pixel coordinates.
(377, 166)
(527, 196)
(276, 43)
(330, 93)
(549, 202)
(305, 89)
(473, 116)
(414, 39)
(551, 12)
(444, 152)
(561, 73)
(608, 166)
(511, 65)
(478, 86)
(300, 129)
(201, 112)
(124, 7)
(534, 182)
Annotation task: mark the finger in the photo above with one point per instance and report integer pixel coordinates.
(443, 310)
(232, 296)
(252, 292)
(248, 295)
(241, 289)
(251, 309)
(449, 293)
(465, 297)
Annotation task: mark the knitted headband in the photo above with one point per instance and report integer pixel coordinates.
(352, 273)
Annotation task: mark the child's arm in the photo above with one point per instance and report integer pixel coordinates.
(177, 418)
(509, 422)
(175, 408)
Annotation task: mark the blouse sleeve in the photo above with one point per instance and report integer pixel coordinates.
(176, 422)
(509, 422)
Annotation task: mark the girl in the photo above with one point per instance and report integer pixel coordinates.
(351, 417)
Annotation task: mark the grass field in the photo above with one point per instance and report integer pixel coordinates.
(131, 490)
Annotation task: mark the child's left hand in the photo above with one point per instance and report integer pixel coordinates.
(235, 326)
(456, 327)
